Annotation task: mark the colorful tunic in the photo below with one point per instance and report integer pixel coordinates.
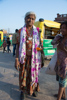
(29, 64)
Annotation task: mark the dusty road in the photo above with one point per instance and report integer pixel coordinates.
(9, 87)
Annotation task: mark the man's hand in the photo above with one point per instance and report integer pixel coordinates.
(17, 64)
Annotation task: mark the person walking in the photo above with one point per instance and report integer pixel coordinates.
(14, 40)
(28, 58)
(8, 45)
(4, 46)
(61, 66)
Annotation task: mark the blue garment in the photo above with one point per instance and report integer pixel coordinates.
(14, 48)
(8, 48)
(62, 82)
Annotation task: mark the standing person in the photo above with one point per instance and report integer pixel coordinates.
(8, 45)
(28, 58)
(14, 40)
(4, 46)
(61, 69)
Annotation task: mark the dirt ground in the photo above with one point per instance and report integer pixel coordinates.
(9, 84)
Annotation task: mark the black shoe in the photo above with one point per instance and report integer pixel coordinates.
(63, 98)
(35, 94)
(56, 95)
(22, 96)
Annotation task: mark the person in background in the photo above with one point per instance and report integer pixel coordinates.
(28, 58)
(61, 66)
(8, 45)
(4, 46)
(14, 40)
(18, 35)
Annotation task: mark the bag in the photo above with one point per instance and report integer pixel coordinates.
(42, 59)
(50, 68)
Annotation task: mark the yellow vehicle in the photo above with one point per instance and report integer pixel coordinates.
(48, 31)
(1, 38)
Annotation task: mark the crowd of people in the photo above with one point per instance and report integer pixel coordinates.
(6, 43)
(27, 49)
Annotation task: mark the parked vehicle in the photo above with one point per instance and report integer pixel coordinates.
(1, 38)
(48, 31)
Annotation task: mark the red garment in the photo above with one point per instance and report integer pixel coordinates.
(19, 30)
(4, 44)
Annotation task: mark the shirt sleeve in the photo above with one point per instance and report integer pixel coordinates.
(57, 39)
(18, 36)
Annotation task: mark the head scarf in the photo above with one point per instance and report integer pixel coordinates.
(30, 13)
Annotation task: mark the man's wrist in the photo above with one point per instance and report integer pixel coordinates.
(16, 58)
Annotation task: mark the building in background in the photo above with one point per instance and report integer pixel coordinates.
(61, 17)
(4, 31)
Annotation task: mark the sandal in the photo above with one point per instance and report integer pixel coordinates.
(35, 94)
(22, 96)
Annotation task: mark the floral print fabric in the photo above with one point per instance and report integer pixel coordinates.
(36, 55)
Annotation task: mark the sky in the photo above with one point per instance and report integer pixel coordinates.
(12, 12)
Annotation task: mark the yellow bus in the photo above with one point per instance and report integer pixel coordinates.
(48, 31)
(1, 38)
